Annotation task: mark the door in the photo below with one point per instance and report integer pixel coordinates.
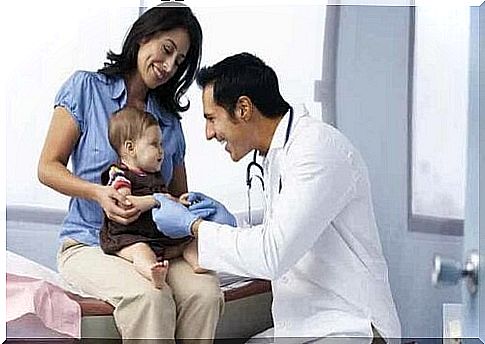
(445, 270)
(373, 109)
(473, 303)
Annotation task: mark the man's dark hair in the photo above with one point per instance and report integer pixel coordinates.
(244, 75)
(155, 20)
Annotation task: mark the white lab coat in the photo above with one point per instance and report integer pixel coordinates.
(318, 244)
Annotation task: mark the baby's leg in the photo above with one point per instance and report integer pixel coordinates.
(145, 261)
(191, 256)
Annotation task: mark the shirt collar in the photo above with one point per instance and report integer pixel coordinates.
(119, 88)
(164, 117)
(160, 113)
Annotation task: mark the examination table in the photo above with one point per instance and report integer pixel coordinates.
(32, 233)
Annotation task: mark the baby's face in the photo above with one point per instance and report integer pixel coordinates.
(149, 151)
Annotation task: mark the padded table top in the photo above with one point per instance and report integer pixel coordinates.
(95, 307)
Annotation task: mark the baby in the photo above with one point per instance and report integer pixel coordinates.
(137, 138)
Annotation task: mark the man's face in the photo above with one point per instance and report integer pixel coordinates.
(232, 131)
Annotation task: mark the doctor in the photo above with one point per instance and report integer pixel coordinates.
(319, 243)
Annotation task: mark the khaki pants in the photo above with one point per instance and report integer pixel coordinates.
(189, 308)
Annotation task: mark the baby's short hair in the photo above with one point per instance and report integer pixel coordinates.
(128, 123)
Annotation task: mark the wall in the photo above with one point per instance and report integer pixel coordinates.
(287, 37)
(275, 34)
(45, 50)
(372, 110)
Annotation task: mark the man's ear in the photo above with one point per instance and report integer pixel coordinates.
(244, 108)
(129, 147)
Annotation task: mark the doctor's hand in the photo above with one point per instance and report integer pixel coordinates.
(173, 219)
(202, 203)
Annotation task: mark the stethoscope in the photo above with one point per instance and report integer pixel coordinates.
(254, 164)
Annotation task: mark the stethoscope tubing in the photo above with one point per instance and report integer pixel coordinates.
(254, 163)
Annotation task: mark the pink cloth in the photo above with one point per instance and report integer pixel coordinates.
(26, 295)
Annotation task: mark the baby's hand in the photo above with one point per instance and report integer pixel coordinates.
(125, 191)
(143, 203)
(183, 199)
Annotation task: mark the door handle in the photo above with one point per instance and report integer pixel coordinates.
(448, 271)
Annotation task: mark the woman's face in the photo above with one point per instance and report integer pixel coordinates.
(160, 56)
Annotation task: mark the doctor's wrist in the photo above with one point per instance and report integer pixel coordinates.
(194, 228)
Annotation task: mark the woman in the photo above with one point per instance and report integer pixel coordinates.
(157, 64)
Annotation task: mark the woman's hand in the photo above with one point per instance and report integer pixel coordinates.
(116, 206)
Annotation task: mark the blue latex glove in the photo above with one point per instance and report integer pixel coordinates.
(201, 203)
(173, 219)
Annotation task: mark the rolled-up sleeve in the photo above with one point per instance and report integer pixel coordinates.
(71, 96)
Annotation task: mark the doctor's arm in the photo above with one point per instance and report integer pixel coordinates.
(319, 183)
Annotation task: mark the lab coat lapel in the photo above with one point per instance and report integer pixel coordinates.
(272, 167)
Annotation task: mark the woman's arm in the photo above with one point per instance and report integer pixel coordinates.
(178, 185)
(52, 170)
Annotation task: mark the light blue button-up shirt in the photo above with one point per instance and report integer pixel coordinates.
(92, 98)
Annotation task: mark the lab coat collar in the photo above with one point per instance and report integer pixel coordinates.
(278, 140)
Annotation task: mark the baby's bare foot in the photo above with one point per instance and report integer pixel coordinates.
(159, 273)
